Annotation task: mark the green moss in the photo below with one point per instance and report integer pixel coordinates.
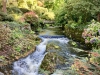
(52, 58)
(16, 40)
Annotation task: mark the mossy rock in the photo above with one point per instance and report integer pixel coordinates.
(52, 59)
(53, 46)
(37, 38)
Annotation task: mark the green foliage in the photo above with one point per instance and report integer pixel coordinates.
(58, 4)
(78, 8)
(2, 57)
(28, 4)
(13, 10)
(16, 12)
(96, 6)
(0, 5)
(24, 10)
(53, 4)
(13, 25)
(49, 4)
(31, 17)
(48, 16)
(8, 18)
(40, 10)
(16, 16)
(18, 48)
(5, 33)
(74, 43)
(44, 13)
(92, 34)
(22, 4)
(16, 34)
(60, 16)
(78, 11)
(72, 24)
(5, 17)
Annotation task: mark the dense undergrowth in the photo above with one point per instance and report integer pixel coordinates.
(16, 38)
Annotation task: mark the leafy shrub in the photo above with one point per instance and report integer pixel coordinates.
(16, 16)
(60, 17)
(12, 10)
(8, 18)
(95, 56)
(48, 16)
(40, 10)
(92, 33)
(30, 17)
(72, 24)
(5, 33)
(24, 10)
(12, 25)
(78, 11)
(5, 17)
(2, 15)
(18, 35)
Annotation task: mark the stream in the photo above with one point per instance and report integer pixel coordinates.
(30, 65)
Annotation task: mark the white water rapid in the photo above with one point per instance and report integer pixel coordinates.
(30, 65)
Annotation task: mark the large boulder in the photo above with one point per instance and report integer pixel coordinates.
(52, 59)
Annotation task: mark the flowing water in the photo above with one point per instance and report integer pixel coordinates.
(30, 65)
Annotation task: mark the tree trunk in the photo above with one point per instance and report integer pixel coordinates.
(4, 6)
(98, 17)
(63, 27)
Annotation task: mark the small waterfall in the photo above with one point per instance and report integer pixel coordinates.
(30, 65)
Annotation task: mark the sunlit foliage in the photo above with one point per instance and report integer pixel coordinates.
(48, 16)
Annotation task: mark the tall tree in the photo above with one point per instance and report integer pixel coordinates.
(4, 2)
(96, 8)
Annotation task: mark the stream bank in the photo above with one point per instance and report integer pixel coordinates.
(61, 58)
(76, 35)
(66, 59)
(17, 40)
